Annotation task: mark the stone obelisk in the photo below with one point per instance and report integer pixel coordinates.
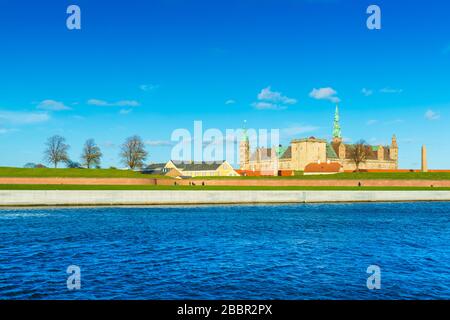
(424, 159)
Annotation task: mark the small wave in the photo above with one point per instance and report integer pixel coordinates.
(22, 215)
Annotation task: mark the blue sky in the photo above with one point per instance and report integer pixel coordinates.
(150, 67)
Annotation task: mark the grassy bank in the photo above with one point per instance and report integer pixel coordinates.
(354, 176)
(71, 173)
(198, 188)
(115, 173)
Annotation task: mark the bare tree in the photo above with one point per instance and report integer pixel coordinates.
(358, 153)
(91, 154)
(56, 151)
(133, 152)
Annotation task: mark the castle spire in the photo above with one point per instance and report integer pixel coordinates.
(394, 142)
(245, 134)
(337, 135)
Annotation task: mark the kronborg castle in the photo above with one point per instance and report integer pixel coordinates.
(304, 152)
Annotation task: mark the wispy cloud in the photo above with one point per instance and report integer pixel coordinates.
(5, 130)
(367, 92)
(229, 139)
(327, 93)
(267, 106)
(296, 130)
(148, 87)
(52, 105)
(109, 145)
(391, 90)
(432, 115)
(159, 143)
(230, 101)
(272, 100)
(15, 117)
(125, 111)
(121, 103)
(273, 96)
(372, 122)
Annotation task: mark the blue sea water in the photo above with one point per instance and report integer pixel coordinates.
(318, 251)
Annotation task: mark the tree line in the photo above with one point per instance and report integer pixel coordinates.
(132, 153)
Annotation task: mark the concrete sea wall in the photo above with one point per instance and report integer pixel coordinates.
(309, 183)
(228, 182)
(118, 197)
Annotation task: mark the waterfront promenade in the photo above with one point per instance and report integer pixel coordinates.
(199, 197)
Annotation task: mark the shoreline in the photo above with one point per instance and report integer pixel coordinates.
(55, 198)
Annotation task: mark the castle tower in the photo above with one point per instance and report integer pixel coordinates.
(424, 159)
(337, 134)
(244, 150)
(393, 152)
(380, 153)
(394, 148)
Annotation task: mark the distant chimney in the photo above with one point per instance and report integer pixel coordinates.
(424, 159)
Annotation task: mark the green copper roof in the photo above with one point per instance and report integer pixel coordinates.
(337, 127)
(331, 154)
(280, 151)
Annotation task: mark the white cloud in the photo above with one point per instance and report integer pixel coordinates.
(229, 139)
(121, 103)
(158, 143)
(125, 111)
(272, 100)
(109, 144)
(298, 130)
(431, 115)
(267, 94)
(372, 122)
(325, 94)
(267, 106)
(15, 117)
(391, 90)
(148, 87)
(367, 92)
(347, 140)
(52, 105)
(5, 131)
(230, 101)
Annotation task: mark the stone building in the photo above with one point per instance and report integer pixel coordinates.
(302, 152)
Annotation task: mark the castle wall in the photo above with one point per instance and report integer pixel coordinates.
(370, 165)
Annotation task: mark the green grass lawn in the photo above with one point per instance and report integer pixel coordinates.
(71, 173)
(354, 176)
(114, 173)
(197, 188)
